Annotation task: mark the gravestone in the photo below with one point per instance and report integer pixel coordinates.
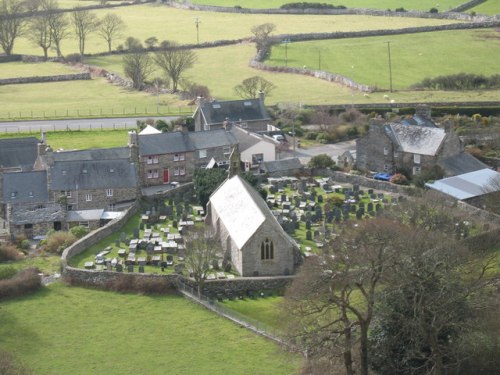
(378, 207)
(316, 233)
(308, 235)
(119, 268)
(359, 214)
(150, 248)
(109, 267)
(320, 199)
(283, 198)
(353, 209)
(370, 191)
(136, 232)
(308, 224)
(130, 268)
(141, 269)
(355, 187)
(169, 210)
(369, 207)
(123, 237)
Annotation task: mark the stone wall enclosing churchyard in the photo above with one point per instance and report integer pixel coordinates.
(37, 79)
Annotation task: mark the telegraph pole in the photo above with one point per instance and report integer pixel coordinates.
(390, 64)
(197, 24)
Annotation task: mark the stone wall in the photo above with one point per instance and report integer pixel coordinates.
(36, 79)
(467, 5)
(98, 197)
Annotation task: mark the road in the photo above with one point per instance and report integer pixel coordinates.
(333, 150)
(75, 124)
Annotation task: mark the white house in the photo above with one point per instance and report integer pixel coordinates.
(254, 148)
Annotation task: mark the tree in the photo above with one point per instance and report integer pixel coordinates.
(84, 23)
(174, 62)
(11, 25)
(133, 44)
(151, 42)
(202, 248)
(111, 27)
(39, 33)
(261, 35)
(58, 24)
(137, 66)
(249, 88)
(321, 161)
(206, 181)
(330, 305)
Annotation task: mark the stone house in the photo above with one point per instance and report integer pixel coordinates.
(410, 146)
(254, 148)
(249, 233)
(172, 157)
(250, 114)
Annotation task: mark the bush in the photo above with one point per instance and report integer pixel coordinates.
(25, 244)
(7, 273)
(59, 241)
(399, 179)
(133, 44)
(25, 281)
(79, 231)
(311, 136)
(8, 252)
(73, 58)
(433, 10)
(321, 161)
(460, 81)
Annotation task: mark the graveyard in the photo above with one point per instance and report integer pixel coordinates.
(311, 210)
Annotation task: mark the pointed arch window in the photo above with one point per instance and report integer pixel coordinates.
(267, 249)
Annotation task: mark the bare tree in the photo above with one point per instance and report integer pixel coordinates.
(39, 33)
(262, 35)
(174, 62)
(202, 248)
(111, 27)
(249, 88)
(84, 23)
(11, 25)
(138, 66)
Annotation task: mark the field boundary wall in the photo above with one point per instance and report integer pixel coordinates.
(37, 79)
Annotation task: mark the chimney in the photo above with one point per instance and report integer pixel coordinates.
(133, 138)
(184, 128)
(200, 100)
(262, 96)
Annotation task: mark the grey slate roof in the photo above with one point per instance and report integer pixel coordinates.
(93, 154)
(85, 215)
(415, 139)
(175, 142)
(93, 174)
(468, 185)
(461, 163)
(25, 187)
(246, 139)
(282, 165)
(18, 153)
(419, 121)
(216, 112)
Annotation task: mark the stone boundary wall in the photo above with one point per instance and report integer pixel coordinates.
(467, 5)
(37, 79)
(476, 211)
(333, 12)
(388, 106)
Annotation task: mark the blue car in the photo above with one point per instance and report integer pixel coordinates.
(382, 176)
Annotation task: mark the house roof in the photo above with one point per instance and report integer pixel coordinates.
(217, 112)
(247, 139)
(168, 143)
(18, 153)
(242, 210)
(93, 174)
(468, 185)
(25, 187)
(92, 154)
(415, 139)
(282, 165)
(149, 130)
(461, 163)
(419, 121)
(85, 215)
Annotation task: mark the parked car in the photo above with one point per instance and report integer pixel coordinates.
(382, 176)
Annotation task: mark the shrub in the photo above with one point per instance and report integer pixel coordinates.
(25, 281)
(25, 244)
(460, 81)
(433, 10)
(79, 231)
(399, 179)
(311, 136)
(133, 44)
(321, 161)
(59, 241)
(73, 58)
(401, 9)
(7, 273)
(8, 252)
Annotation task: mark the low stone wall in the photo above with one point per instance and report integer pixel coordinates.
(467, 5)
(478, 212)
(37, 79)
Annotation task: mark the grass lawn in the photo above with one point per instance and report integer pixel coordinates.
(413, 56)
(144, 21)
(490, 7)
(265, 310)
(373, 4)
(91, 98)
(69, 330)
(48, 264)
(22, 69)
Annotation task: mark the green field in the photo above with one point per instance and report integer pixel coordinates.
(265, 310)
(69, 330)
(413, 56)
(442, 5)
(22, 69)
(166, 23)
(491, 7)
(48, 264)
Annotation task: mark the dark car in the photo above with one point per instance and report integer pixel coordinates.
(382, 176)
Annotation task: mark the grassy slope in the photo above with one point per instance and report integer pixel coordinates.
(47, 264)
(490, 7)
(373, 4)
(163, 22)
(413, 56)
(63, 330)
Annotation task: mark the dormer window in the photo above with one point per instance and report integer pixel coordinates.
(13, 194)
(216, 106)
(31, 194)
(111, 170)
(84, 171)
(64, 173)
(247, 104)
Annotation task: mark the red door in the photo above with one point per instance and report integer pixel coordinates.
(166, 177)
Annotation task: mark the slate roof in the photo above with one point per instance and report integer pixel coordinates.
(461, 163)
(416, 139)
(18, 153)
(26, 186)
(419, 121)
(92, 154)
(85, 215)
(282, 165)
(93, 174)
(242, 210)
(247, 139)
(175, 142)
(216, 112)
(468, 185)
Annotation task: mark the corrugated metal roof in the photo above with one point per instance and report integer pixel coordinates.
(468, 185)
(24, 187)
(460, 164)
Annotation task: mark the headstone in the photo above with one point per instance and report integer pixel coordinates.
(119, 268)
(272, 189)
(283, 197)
(136, 232)
(320, 199)
(378, 207)
(308, 235)
(130, 268)
(359, 214)
(369, 207)
(123, 237)
(109, 267)
(370, 191)
(141, 269)
(353, 208)
(355, 187)
(308, 224)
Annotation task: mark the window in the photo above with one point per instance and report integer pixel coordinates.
(88, 197)
(396, 154)
(416, 170)
(387, 167)
(111, 170)
(31, 194)
(155, 173)
(70, 207)
(64, 173)
(152, 173)
(227, 150)
(179, 157)
(179, 171)
(84, 171)
(257, 158)
(28, 226)
(152, 159)
(112, 207)
(416, 158)
(109, 192)
(386, 150)
(40, 207)
(13, 194)
(202, 154)
(66, 193)
(267, 250)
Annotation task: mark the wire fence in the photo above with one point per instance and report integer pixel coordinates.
(98, 112)
(60, 127)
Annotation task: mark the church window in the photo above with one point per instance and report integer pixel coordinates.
(267, 249)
